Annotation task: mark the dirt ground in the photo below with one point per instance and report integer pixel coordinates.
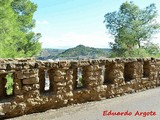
(145, 101)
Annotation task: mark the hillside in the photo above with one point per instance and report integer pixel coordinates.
(49, 53)
(84, 52)
(78, 52)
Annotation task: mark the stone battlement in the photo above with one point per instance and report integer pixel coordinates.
(39, 86)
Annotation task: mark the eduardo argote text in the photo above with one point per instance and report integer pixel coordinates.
(128, 113)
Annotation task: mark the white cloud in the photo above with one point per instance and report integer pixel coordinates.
(72, 39)
(44, 22)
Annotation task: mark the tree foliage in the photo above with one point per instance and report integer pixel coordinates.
(16, 22)
(132, 29)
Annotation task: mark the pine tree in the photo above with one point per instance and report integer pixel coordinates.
(16, 23)
(131, 28)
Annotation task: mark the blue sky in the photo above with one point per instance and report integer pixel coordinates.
(68, 23)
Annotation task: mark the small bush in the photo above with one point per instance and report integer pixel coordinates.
(80, 82)
(9, 84)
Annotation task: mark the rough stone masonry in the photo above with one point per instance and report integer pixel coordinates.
(71, 82)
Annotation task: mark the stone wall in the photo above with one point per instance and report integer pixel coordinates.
(71, 82)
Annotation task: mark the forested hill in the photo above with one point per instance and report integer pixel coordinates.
(77, 52)
(82, 50)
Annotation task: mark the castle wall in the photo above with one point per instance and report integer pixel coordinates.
(71, 82)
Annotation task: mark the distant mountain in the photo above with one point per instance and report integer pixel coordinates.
(78, 52)
(83, 51)
(49, 53)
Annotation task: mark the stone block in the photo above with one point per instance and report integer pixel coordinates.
(94, 78)
(19, 75)
(69, 72)
(64, 64)
(1, 109)
(3, 66)
(2, 72)
(29, 81)
(19, 98)
(59, 78)
(96, 73)
(61, 84)
(60, 72)
(17, 90)
(31, 87)
(92, 68)
(69, 77)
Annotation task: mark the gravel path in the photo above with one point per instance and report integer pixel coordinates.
(145, 101)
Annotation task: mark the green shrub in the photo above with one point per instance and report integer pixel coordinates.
(80, 82)
(9, 84)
